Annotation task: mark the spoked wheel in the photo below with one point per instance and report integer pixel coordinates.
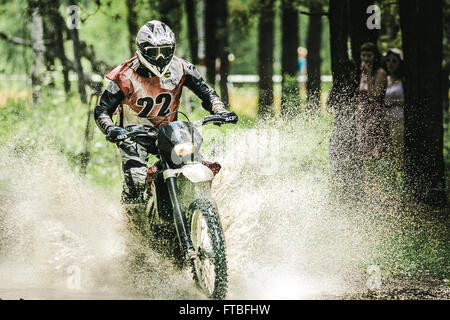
(209, 265)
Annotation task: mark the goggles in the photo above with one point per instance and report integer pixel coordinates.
(155, 52)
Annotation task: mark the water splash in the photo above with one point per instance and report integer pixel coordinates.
(286, 236)
(52, 222)
(286, 239)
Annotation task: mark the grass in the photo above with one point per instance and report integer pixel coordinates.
(417, 247)
(447, 148)
(60, 122)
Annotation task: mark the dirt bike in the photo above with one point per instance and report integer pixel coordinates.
(182, 216)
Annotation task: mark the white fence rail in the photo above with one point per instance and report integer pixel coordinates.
(252, 78)
(233, 78)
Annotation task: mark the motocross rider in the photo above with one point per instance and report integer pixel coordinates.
(146, 90)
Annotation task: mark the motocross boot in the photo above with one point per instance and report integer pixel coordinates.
(137, 217)
(134, 205)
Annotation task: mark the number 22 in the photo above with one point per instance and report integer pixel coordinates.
(147, 103)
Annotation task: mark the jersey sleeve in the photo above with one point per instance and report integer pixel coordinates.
(195, 82)
(109, 101)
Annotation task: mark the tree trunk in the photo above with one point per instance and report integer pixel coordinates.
(390, 25)
(265, 58)
(222, 47)
(445, 87)
(313, 44)
(210, 40)
(37, 40)
(60, 51)
(77, 57)
(359, 32)
(345, 162)
(54, 27)
(192, 30)
(422, 46)
(170, 12)
(132, 25)
(290, 93)
(49, 34)
(201, 36)
(78, 67)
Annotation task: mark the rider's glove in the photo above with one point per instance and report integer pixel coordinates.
(230, 117)
(115, 134)
(218, 107)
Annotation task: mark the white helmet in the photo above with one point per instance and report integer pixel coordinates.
(155, 44)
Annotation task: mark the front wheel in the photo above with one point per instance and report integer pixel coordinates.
(209, 265)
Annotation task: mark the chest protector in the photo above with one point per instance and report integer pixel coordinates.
(148, 100)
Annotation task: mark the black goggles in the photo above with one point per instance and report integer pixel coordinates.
(156, 52)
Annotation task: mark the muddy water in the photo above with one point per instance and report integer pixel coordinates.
(283, 240)
(63, 238)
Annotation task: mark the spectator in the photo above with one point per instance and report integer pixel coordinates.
(394, 102)
(301, 68)
(372, 125)
(302, 53)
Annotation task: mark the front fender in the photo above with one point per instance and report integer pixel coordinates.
(195, 172)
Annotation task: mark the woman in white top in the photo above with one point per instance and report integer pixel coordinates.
(394, 100)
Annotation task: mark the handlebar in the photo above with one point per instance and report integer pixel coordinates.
(139, 131)
(145, 131)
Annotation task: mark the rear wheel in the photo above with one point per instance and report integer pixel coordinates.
(209, 265)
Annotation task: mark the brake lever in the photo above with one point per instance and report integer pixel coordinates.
(198, 123)
(231, 118)
(136, 133)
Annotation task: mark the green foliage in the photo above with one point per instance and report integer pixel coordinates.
(60, 123)
(105, 29)
(447, 148)
(390, 33)
(290, 94)
(104, 26)
(243, 15)
(446, 43)
(14, 20)
(325, 45)
(417, 248)
(243, 45)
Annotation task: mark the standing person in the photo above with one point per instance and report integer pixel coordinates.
(302, 68)
(394, 102)
(146, 90)
(371, 116)
(372, 126)
(301, 61)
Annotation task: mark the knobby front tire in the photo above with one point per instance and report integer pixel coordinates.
(210, 266)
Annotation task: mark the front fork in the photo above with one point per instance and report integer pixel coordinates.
(179, 217)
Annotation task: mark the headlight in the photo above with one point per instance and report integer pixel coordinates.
(183, 149)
